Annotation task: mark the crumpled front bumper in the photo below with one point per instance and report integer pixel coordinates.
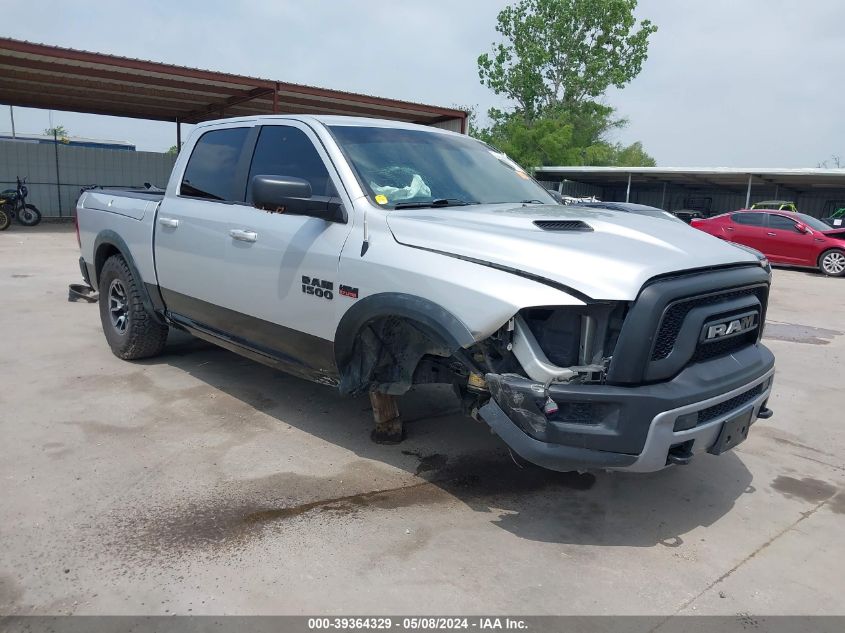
(642, 428)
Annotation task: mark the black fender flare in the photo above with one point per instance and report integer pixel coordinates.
(431, 317)
(108, 237)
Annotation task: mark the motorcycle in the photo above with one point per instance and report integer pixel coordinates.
(13, 203)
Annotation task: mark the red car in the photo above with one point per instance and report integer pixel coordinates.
(794, 239)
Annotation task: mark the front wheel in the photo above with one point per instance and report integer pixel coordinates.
(29, 215)
(832, 263)
(5, 220)
(131, 330)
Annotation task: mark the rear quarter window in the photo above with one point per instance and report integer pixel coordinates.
(211, 172)
(751, 219)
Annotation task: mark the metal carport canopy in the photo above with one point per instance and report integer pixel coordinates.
(50, 77)
(729, 177)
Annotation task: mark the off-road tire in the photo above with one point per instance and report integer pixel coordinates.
(828, 267)
(143, 334)
(5, 220)
(29, 210)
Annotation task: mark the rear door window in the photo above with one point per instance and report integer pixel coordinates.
(211, 172)
(751, 219)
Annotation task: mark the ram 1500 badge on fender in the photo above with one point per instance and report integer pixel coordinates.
(371, 256)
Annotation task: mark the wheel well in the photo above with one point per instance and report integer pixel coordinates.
(104, 251)
(382, 338)
(386, 353)
(829, 250)
(825, 252)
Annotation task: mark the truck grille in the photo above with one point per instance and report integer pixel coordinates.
(720, 348)
(676, 313)
(663, 327)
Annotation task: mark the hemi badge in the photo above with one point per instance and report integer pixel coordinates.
(349, 291)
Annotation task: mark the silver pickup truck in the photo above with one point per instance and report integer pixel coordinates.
(371, 256)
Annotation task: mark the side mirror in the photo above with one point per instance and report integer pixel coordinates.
(286, 194)
(802, 228)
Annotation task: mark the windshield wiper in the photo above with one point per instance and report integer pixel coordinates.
(532, 201)
(437, 202)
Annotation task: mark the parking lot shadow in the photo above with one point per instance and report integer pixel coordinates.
(459, 459)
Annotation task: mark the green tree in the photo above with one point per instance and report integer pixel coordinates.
(544, 141)
(59, 132)
(633, 156)
(556, 59)
(174, 149)
(564, 51)
(563, 136)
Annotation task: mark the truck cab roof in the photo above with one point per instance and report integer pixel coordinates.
(327, 120)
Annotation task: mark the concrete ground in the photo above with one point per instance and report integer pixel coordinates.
(201, 482)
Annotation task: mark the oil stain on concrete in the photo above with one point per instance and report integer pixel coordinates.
(806, 489)
(795, 333)
(236, 513)
(837, 504)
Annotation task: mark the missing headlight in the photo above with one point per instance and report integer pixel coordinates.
(581, 338)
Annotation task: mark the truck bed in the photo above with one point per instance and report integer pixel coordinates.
(144, 193)
(131, 202)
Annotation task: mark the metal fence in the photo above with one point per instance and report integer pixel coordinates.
(818, 203)
(55, 172)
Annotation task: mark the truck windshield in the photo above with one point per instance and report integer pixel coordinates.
(415, 168)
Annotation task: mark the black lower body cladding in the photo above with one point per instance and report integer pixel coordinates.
(86, 273)
(606, 426)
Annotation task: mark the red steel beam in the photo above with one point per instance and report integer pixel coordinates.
(87, 86)
(114, 61)
(58, 95)
(64, 70)
(111, 62)
(88, 108)
(312, 105)
(227, 103)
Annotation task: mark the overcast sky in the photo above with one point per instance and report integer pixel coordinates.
(727, 82)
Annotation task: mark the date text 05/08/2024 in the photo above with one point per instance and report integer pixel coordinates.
(418, 623)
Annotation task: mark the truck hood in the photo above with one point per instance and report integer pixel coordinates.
(612, 261)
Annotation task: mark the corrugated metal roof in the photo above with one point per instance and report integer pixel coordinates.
(53, 77)
(798, 179)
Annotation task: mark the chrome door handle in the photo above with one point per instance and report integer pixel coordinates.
(171, 223)
(729, 228)
(244, 236)
(770, 233)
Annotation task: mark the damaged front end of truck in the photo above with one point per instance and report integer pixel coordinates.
(632, 385)
(641, 385)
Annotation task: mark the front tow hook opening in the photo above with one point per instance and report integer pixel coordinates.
(680, 454)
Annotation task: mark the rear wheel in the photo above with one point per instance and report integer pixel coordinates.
(832, 263)
(131, 330)
(29, 215)
(5, 220)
